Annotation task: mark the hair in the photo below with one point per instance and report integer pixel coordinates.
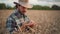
(16, 6)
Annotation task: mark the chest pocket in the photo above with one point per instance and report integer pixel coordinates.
(26, 19)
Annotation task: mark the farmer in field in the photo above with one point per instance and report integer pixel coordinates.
(18, 20)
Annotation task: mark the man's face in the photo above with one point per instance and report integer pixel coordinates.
(22, 9)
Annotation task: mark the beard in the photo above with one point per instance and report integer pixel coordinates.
(22, 12)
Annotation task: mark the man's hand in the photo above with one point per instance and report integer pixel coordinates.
(30, 24)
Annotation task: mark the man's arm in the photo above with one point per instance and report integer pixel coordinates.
(10, 24)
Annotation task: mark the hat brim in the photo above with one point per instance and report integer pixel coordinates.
(24, 4)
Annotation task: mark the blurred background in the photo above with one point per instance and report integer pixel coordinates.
(46, 13)
(38, 4)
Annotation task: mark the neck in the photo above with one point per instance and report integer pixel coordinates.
(20, 12)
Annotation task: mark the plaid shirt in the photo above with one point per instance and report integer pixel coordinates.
(16, 19)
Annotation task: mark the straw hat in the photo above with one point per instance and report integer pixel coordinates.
(24, 3)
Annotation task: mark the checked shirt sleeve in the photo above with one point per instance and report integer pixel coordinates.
(10, 24)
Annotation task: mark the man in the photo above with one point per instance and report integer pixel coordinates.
(18, 18)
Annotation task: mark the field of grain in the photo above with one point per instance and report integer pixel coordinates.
(48, 21)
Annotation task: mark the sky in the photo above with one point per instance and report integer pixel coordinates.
(34, 2)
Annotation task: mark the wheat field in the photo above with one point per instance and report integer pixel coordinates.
(48, 21)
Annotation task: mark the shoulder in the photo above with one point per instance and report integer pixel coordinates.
(11, 16)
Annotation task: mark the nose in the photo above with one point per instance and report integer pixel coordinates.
(24, 9)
